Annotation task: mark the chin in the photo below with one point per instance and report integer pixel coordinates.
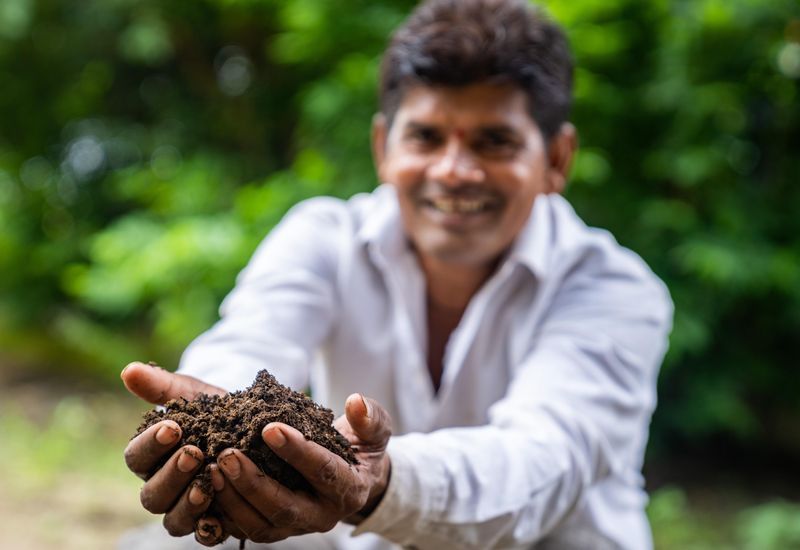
(460, 254)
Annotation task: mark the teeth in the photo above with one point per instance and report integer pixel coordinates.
(470, 205)
(461, 206)
(448, 206)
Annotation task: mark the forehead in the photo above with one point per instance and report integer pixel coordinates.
(465, 106)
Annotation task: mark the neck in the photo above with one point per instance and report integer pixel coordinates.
(450, 286)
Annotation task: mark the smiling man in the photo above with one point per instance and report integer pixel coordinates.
(509, 352)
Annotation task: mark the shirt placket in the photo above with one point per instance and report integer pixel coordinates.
(463, 337)
(414, 393)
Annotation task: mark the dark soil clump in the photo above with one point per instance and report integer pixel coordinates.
(215, 423)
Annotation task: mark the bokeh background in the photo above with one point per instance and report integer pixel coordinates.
(146, 147)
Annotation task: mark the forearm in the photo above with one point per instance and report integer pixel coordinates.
(231, 361)
(279, 312)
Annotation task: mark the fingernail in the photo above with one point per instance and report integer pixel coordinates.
(230, 464)
(187, 461)
(274, 437)
(366, 406)
(167, 434)
(208, 530)
(197, 496)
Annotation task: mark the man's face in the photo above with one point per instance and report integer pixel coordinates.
(467, 163)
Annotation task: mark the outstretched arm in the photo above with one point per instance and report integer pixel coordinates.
(275, 318)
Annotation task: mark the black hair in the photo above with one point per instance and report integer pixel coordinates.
(461, 42)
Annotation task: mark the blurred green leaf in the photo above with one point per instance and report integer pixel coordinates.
(15, 18)
(771, 526)
(146, 40)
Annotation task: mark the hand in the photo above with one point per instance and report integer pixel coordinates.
(263, 510)
(169, 490)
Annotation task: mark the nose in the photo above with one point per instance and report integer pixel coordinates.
(456, 166)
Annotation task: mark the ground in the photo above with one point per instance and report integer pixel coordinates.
(63, 482)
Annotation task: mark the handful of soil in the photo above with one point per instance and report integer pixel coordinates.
(215, 423)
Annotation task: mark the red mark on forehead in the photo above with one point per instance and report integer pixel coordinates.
(460, 133)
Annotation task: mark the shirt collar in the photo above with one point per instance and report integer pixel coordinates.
(383, 232)
(534, 245)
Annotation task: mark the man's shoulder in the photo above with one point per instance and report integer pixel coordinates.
(585, 252)
(573, 236)
(333, 212)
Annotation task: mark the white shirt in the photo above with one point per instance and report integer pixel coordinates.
(539, 428)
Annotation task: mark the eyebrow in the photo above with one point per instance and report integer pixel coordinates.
(412, 125)
(503, 129)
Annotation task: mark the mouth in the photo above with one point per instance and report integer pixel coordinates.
(460, 205)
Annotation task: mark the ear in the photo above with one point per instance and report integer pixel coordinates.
(561, 150)
(378, 140)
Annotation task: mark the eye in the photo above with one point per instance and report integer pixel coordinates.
(424, 136)
(496, 142)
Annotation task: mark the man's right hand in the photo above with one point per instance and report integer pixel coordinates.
(169, 490)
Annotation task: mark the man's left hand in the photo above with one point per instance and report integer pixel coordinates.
(261, 509)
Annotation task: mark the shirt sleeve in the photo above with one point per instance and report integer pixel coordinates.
(576, 412)
(280, 309)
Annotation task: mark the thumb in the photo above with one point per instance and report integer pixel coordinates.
(155, 385)
(368, 419)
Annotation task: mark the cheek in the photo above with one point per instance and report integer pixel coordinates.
(519, 185)
(404, 172)
(532, 174)
(519, 182)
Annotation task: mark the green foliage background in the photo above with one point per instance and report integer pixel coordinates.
(146, 147)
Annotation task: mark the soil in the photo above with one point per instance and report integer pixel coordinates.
(216, 423)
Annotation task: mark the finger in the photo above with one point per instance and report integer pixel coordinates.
(369, 421)
(209, 531)
(329, 474)
(162, 490)
(218, 484)
(238, 508)
(155, 385)
(183, 517)
(145, 451)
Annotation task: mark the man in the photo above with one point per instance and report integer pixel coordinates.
(512, 350)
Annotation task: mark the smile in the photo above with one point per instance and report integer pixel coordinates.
(461, 205)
